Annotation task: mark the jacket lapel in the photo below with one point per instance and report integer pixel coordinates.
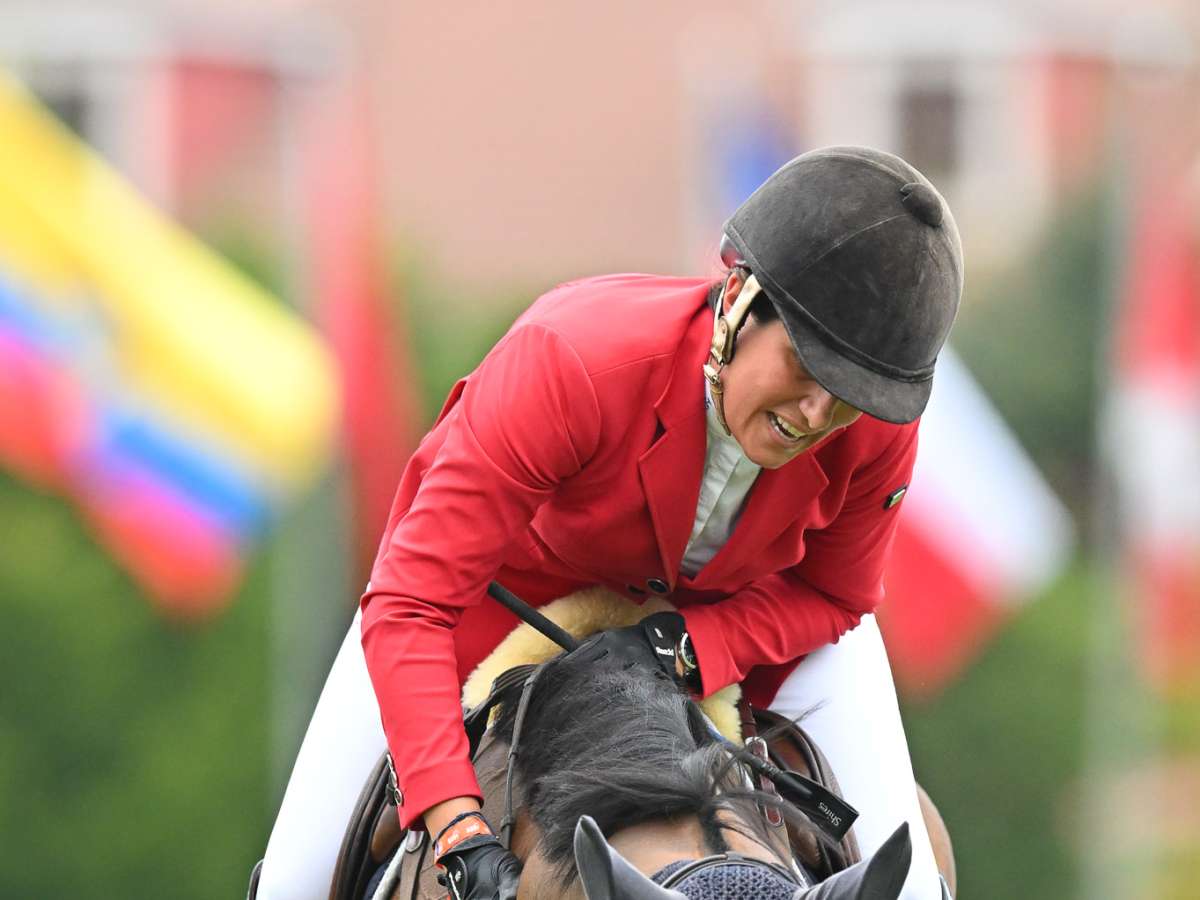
(671, 469)
(779, 497)
(670, 472)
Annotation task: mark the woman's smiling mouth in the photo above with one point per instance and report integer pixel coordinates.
(785, 429)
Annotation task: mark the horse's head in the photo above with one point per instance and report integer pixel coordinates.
(606, 875)
(626, 751)
(629, 749)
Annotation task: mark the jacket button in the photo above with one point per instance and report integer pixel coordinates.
(658, 585)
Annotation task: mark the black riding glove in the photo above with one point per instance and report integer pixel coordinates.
(650, 643)
(477, 865)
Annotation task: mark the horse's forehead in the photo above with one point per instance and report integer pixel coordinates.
(540, 881)
(649, 846)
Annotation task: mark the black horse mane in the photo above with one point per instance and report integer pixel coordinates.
(624, 747)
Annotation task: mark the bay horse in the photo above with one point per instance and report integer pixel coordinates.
(624, 793)
(623, 755)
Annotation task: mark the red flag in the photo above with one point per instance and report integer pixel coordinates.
(217, 112)
(382, 409)
(980, 533)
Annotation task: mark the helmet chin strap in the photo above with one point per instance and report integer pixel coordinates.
(725, 329)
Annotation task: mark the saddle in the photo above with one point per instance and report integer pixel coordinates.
(373, 836)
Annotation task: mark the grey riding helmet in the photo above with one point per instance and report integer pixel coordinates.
(861, 257)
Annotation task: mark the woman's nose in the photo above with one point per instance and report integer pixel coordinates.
(817, 407)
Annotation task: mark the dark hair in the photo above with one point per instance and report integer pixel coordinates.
(762, 310)
(624, 747)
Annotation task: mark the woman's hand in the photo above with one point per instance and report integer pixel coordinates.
(650, 643)
(477, 866)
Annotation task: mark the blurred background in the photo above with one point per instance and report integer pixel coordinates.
(246, 248)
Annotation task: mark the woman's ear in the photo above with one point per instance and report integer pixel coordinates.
(733, 286)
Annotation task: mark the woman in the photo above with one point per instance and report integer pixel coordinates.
(615, 437)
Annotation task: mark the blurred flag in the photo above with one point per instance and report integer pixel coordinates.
(1153, 433)
(980, 534)
(176, 402)
(382, 419)
(213, 114)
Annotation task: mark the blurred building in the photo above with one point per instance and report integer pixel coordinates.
(642, 128)
(524, 142)
(198, 106)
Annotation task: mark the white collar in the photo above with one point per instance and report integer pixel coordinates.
(717, 438)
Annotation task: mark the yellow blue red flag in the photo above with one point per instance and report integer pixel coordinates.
(175, 401)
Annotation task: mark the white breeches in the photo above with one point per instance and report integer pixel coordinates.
(342, 745)
(857, 725)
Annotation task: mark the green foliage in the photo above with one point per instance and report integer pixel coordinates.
(1000, 751)
(449, 334)
(1031, 336)
(132, 758)
(250, 253)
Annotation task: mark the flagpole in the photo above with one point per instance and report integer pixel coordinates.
(309, 606)
(1120, 726)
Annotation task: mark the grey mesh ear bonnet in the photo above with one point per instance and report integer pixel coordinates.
(861, 256)
(732, 882)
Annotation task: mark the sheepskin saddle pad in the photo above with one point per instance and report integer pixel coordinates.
(582, 614)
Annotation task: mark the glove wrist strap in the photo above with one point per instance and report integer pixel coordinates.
(461, 828)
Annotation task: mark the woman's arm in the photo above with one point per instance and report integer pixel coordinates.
(439, 815)
(526, 419)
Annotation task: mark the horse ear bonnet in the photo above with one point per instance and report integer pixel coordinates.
(730, 882)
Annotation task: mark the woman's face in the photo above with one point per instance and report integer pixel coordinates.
(773, 407)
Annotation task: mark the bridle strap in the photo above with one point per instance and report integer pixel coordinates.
(475, 722)
(514, 750)
(756, 745)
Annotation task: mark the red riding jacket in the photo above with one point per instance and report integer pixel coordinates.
(573, 456)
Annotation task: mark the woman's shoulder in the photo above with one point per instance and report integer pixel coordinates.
(868, 441)
(617, 320)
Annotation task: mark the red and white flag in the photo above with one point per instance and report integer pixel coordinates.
(1152, 433)
(981, 534)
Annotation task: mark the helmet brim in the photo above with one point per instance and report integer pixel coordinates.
(877, 395)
